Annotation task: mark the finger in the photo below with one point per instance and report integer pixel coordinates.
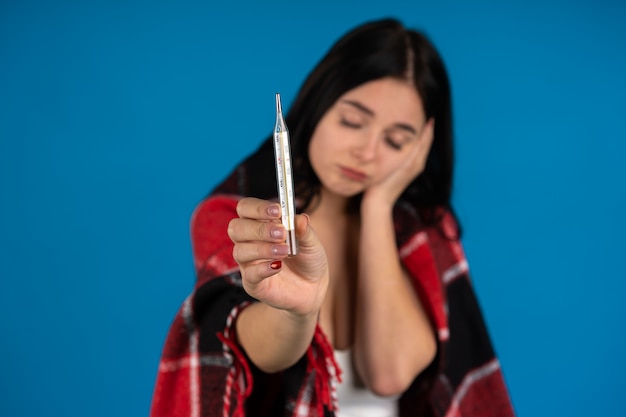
(244, 253)
(254, 274)
(255, 208)
(246, 230)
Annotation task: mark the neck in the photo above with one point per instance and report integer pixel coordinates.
(329, 204)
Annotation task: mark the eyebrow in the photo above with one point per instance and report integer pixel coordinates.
(367, 110)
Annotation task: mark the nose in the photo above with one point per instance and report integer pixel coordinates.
(367, 150)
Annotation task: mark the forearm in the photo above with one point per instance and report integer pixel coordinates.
(274, 339)
(394, 340)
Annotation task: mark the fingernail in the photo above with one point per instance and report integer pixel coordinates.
(273, 211)
(276, 232)
(276, 265)
(280, 250)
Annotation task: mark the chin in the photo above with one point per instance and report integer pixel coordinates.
(341, 189)
(347, 193)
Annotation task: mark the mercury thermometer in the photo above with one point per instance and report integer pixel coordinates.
(284, 176)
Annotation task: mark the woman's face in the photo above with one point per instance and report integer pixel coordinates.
(365, 135)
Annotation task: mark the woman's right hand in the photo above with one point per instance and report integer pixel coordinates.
(296, 284)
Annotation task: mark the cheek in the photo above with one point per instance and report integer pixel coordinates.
(393, 159)
(392, 162)
(321, 143)
(317, 150)
(390, 166)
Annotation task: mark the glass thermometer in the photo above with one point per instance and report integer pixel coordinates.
(284, 176)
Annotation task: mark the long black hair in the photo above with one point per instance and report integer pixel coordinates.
(371, 51)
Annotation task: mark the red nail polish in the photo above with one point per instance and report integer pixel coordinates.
(276, 265)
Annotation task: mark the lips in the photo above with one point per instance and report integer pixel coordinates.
(353, 174)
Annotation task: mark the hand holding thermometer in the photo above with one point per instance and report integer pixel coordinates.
(284, 176)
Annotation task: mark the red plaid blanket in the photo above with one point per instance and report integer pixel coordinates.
(204, 372)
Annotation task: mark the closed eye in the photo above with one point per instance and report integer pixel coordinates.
(393, 144)
(348, 123)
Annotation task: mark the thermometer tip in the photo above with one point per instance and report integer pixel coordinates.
(279, 108)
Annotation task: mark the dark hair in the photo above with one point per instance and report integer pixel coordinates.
(374, 50)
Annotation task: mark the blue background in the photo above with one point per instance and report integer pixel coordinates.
(117, 117)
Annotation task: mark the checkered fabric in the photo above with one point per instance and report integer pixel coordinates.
(204, 372)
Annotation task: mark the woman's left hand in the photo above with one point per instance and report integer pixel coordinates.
(390, 188)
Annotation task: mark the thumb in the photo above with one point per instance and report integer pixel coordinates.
(311, 256)
(308, 241)
(304, 232)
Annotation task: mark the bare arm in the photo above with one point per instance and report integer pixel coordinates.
(394, 340)
(274, 339)
(276, 331)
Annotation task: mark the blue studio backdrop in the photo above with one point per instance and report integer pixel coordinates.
(117, 117)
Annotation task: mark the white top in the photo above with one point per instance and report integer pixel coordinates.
(359, 402)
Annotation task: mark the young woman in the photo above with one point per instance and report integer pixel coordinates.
(375, 316)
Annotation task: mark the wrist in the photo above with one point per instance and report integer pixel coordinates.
(301, 324)
(300, 318)
(371, 205)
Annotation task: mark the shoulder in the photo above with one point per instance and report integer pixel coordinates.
(410, 220)
(445, 242)
(212, 213)
(219, 205)
(209, 238)
(436, 228)
(446, 223)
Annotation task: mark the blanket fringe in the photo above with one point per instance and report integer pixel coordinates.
(326, 370)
